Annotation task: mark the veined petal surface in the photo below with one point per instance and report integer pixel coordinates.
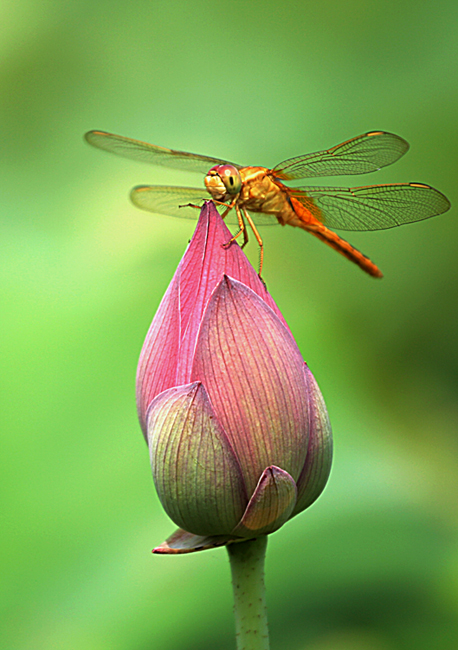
(167, 354)
(271, 504)
(205, 262)
(253, 372)
(158, 359)
(195, 470)
(315, 473)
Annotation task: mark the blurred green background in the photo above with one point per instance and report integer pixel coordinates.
(373, 565)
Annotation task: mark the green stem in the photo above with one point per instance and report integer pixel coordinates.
(247, 567)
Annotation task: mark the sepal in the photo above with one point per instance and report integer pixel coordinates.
(183, 542)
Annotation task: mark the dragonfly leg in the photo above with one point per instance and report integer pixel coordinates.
(227, 206)
(242, 225)
(245, 238)
(190, 205)
(258, 239)
(242, 229)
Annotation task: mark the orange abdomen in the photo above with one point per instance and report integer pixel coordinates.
(308, 222)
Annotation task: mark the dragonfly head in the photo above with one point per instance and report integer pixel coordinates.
(223, 181)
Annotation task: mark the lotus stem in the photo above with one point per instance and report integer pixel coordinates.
(247, 567)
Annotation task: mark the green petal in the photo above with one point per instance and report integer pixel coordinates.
(271, 504)
(196, 473)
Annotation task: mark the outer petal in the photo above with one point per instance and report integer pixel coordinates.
(183, 542)
(253, 372)
(195, 471)
(159, 356)
(202, 268)
(317, 466)
(271, 504)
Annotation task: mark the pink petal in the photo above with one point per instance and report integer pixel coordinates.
(271, 504)
(317, 466)
(196, 473)
(166, 357)
(253, 372)
(158, 359)
(202, 268)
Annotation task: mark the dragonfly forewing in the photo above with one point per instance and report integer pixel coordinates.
(361, 155)
(150, 153)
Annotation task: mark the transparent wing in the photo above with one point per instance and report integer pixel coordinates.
(374, 207)
(360, 155)
(163, 199)
(150, 153)
(173, 201)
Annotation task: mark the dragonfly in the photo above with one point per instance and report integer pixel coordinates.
(258, 195)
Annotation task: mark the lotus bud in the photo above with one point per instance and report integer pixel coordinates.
(237, 428)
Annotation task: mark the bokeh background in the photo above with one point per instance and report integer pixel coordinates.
(373, 565)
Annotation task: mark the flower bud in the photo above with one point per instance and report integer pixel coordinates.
(237, 428)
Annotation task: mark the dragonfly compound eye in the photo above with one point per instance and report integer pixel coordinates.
(231, 178)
